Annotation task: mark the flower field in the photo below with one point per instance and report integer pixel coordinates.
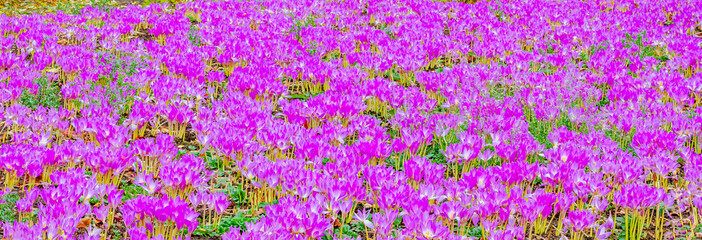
(345, 119)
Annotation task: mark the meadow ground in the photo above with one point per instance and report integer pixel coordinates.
(341, 119)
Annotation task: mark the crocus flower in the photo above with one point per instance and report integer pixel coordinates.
(579, 220)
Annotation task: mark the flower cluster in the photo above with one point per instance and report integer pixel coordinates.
(403, 119)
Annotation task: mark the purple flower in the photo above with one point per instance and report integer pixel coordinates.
(579, 220)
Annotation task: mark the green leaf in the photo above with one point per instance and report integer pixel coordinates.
(476, 232)
(7, 209)
(131, 191)
(237, 194)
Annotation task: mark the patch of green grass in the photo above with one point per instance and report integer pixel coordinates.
(692, 113)
(48, 95)
(180, 153)
(206, 230)
(434, 153)
(604, 101)
(7, 209)
(540, 134)
(305, 96)
(237, 221)
(118, 89)
(476, 232)
(192, 34)
(564, 120)
(391, 161)
(131, 191)
(237, 194)
(263, 204)
(213, 163)
(347, 233)
(116, 234)
(71, 7)
(76, 7)
(171, 2)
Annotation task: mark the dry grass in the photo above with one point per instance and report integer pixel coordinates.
(25, 7)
